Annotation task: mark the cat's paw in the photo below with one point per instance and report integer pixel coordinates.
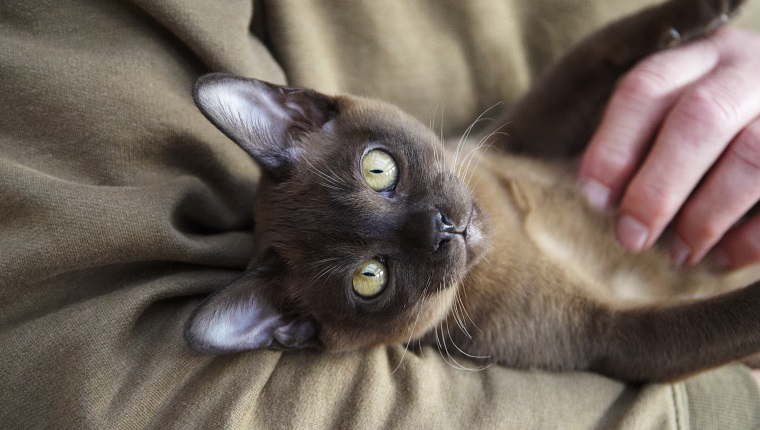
(695, 19)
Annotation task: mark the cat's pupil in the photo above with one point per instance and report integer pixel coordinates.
(376, 171)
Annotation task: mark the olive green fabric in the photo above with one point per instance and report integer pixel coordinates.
(121, 207)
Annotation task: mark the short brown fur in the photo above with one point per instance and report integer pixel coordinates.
(530, 278)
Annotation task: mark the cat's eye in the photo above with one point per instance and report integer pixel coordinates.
(379, 170)
(370, 278)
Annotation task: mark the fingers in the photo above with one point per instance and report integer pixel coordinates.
(693, 136)
(740, 247)
(727, 193)
(633, 116)
(681, 137)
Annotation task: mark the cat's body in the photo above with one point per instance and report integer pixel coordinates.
(369, 232)
(567, 274)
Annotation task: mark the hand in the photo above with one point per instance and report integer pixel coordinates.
(680, 143)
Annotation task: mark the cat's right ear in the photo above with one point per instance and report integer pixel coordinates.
(264, 119)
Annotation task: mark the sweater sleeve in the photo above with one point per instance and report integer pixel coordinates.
(121, 207)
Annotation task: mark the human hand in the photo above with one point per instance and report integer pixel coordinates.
(680, 143)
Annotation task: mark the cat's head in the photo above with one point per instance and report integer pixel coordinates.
(363, 233)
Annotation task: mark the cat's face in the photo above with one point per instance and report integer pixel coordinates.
(363, 231)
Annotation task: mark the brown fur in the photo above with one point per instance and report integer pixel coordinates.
(531, 278)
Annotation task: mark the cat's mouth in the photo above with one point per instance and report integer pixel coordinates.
(474, 235)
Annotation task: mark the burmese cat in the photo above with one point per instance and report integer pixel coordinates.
(368, 231)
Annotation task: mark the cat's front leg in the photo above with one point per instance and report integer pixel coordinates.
(693, 20)
(557, 117)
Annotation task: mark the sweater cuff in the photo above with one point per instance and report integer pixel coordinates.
(728, 398)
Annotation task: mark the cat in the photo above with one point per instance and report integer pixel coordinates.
(369, 231)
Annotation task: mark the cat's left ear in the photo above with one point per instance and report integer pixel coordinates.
(264, 119)
(242, 316)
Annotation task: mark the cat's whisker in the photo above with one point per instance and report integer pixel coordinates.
(466, 135)
(457, 309)
(482, 143)
(469, 174)
(464, 309)
(420, 307)
(322, 262)
(453, 342)
(340, 181)
(440, 155)
(438, 145)
(443, 108)
(480, 177)
(323, 180)
(441, 341)
(321, 273)
(438, 342)
(468, 355)
(329, 271)
(453, 361)
(458, 151)
(445, 161)
(334, 182)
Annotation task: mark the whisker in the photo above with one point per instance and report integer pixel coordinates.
(457, 308)
(459, 365)
(464, 309)
(469, 129)
(482, 143)
(334, 182)
(420, 306)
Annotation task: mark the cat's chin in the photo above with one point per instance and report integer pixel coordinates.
(476, 236)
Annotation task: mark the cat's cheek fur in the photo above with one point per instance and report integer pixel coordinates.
(406, 328)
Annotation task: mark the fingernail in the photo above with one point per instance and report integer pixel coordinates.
(680, 252)
(596, 194)
(631, 233)
(720, 261)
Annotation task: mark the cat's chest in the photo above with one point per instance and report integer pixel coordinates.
(544, 217)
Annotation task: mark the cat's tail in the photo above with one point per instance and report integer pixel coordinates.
(666, 343)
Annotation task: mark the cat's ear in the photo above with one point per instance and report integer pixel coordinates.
(240, 317)
(265, 119)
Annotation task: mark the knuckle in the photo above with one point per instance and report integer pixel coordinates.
(754, 255)
(655, 204)
(644, 82)
(746, 149)
(753, 240)
(750, 252)
(699, 226)
(744, 242)
(613, 159)
(706, 232)
(709, 110)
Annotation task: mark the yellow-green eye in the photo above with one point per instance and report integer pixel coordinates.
(379, 170)
(370, 278)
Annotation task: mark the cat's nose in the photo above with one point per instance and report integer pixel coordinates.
(428, 230)
(444, 230)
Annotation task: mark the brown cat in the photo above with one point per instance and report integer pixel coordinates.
(369, 231)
